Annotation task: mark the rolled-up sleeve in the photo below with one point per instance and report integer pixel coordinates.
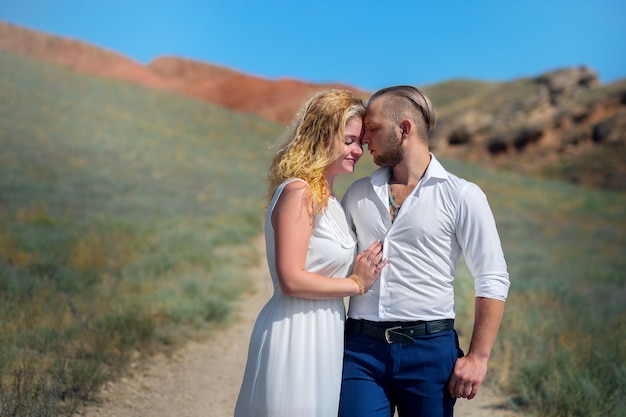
(478, 237)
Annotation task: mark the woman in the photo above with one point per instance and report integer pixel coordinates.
(296, 348)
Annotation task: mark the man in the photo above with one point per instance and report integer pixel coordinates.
(401, 347)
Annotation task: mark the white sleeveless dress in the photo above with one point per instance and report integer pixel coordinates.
(296, 349)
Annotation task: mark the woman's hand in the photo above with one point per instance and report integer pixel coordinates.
(369, 263)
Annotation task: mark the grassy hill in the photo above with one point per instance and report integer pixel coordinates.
(126, 217)
(561, 350)
(125, 220)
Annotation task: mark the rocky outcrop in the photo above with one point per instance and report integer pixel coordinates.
(530, 125)
(565, 83)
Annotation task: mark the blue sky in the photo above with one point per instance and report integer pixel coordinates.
(367, 44)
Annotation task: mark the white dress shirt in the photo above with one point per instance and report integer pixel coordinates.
(444, 217)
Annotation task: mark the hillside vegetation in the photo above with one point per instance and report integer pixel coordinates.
(125, 220)
(125, 223)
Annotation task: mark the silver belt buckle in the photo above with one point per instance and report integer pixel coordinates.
(387, 336)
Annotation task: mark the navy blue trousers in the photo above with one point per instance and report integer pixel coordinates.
(379, 377)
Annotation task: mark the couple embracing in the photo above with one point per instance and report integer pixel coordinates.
(392, 246)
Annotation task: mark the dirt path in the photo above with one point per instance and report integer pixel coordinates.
(203, 379)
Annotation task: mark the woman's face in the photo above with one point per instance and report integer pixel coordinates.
(351, 150)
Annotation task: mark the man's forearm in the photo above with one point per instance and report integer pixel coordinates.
(487, 319)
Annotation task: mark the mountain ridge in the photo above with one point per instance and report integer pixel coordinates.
(562, 124)
(275, 100)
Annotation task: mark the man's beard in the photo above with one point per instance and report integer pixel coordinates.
(393, 153)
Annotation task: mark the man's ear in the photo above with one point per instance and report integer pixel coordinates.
(405, 126)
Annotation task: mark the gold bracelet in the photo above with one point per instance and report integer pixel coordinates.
(357, 279)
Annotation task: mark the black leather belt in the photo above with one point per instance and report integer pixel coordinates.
(397, 332)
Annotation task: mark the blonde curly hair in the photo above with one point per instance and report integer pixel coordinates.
(311, 143)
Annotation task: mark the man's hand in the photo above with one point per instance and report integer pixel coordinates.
(469, 371)
(467, 377)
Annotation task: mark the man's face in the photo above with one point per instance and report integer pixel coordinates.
(381, 137)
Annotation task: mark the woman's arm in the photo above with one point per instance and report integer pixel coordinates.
(293, 225)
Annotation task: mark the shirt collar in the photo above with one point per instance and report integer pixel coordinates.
(435, 170)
